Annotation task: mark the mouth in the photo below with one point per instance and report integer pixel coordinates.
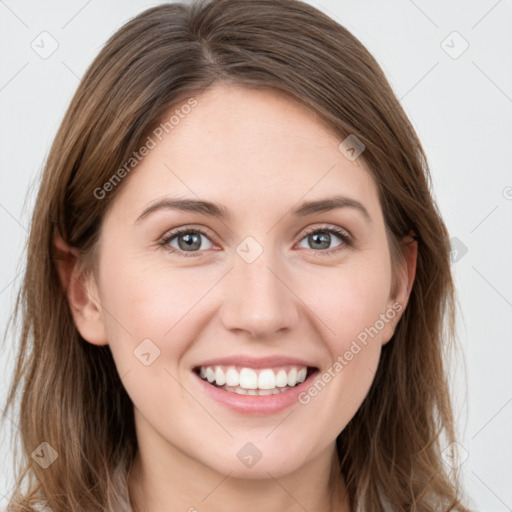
(242, 380)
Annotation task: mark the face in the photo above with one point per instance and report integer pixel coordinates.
(268, 295)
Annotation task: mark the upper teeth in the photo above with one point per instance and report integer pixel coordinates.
(249, 378)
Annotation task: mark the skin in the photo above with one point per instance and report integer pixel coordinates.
(259, 153)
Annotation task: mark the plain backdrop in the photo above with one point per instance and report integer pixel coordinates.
(450, 65)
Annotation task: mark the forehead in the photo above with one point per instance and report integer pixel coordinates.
(247, 147)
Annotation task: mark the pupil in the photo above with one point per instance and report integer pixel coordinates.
(191, 240)
(324, 238)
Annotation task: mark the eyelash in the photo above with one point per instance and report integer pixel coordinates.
(343, 235)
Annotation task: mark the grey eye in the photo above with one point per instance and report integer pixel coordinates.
(320, 239)
(189, 241)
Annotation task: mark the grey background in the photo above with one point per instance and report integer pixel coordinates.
(460, 105)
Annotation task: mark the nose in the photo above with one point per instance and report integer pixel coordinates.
(258, 299)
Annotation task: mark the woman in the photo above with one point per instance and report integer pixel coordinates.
(186, 343)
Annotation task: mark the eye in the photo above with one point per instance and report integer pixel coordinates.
(321, 238)
(187, 240)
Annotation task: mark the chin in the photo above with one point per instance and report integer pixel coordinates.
(257, 460)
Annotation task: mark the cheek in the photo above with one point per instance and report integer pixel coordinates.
(352, 305)
(350, 301)
(152, 301)
(151, 320)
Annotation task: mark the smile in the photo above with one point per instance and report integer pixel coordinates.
(254, 386)
(251, 381)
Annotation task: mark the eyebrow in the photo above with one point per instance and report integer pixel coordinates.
(219, 211)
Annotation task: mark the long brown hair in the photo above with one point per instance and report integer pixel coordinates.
(71, 395)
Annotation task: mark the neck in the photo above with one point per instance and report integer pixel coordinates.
(176, 482)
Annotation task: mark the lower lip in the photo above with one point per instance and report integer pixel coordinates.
(254, 405)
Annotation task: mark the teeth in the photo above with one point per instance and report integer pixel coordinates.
(248, 379)
(266, 381)
(210, 374)
(220, 378)
(292, 377)
(232, 377)
(281, 379)
(254, 392)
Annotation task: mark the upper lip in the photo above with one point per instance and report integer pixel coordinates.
(255, 362)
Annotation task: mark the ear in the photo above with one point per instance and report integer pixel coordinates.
(81, 291)
(402, 287)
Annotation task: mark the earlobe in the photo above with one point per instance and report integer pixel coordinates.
(405, 280)
(81, 291)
